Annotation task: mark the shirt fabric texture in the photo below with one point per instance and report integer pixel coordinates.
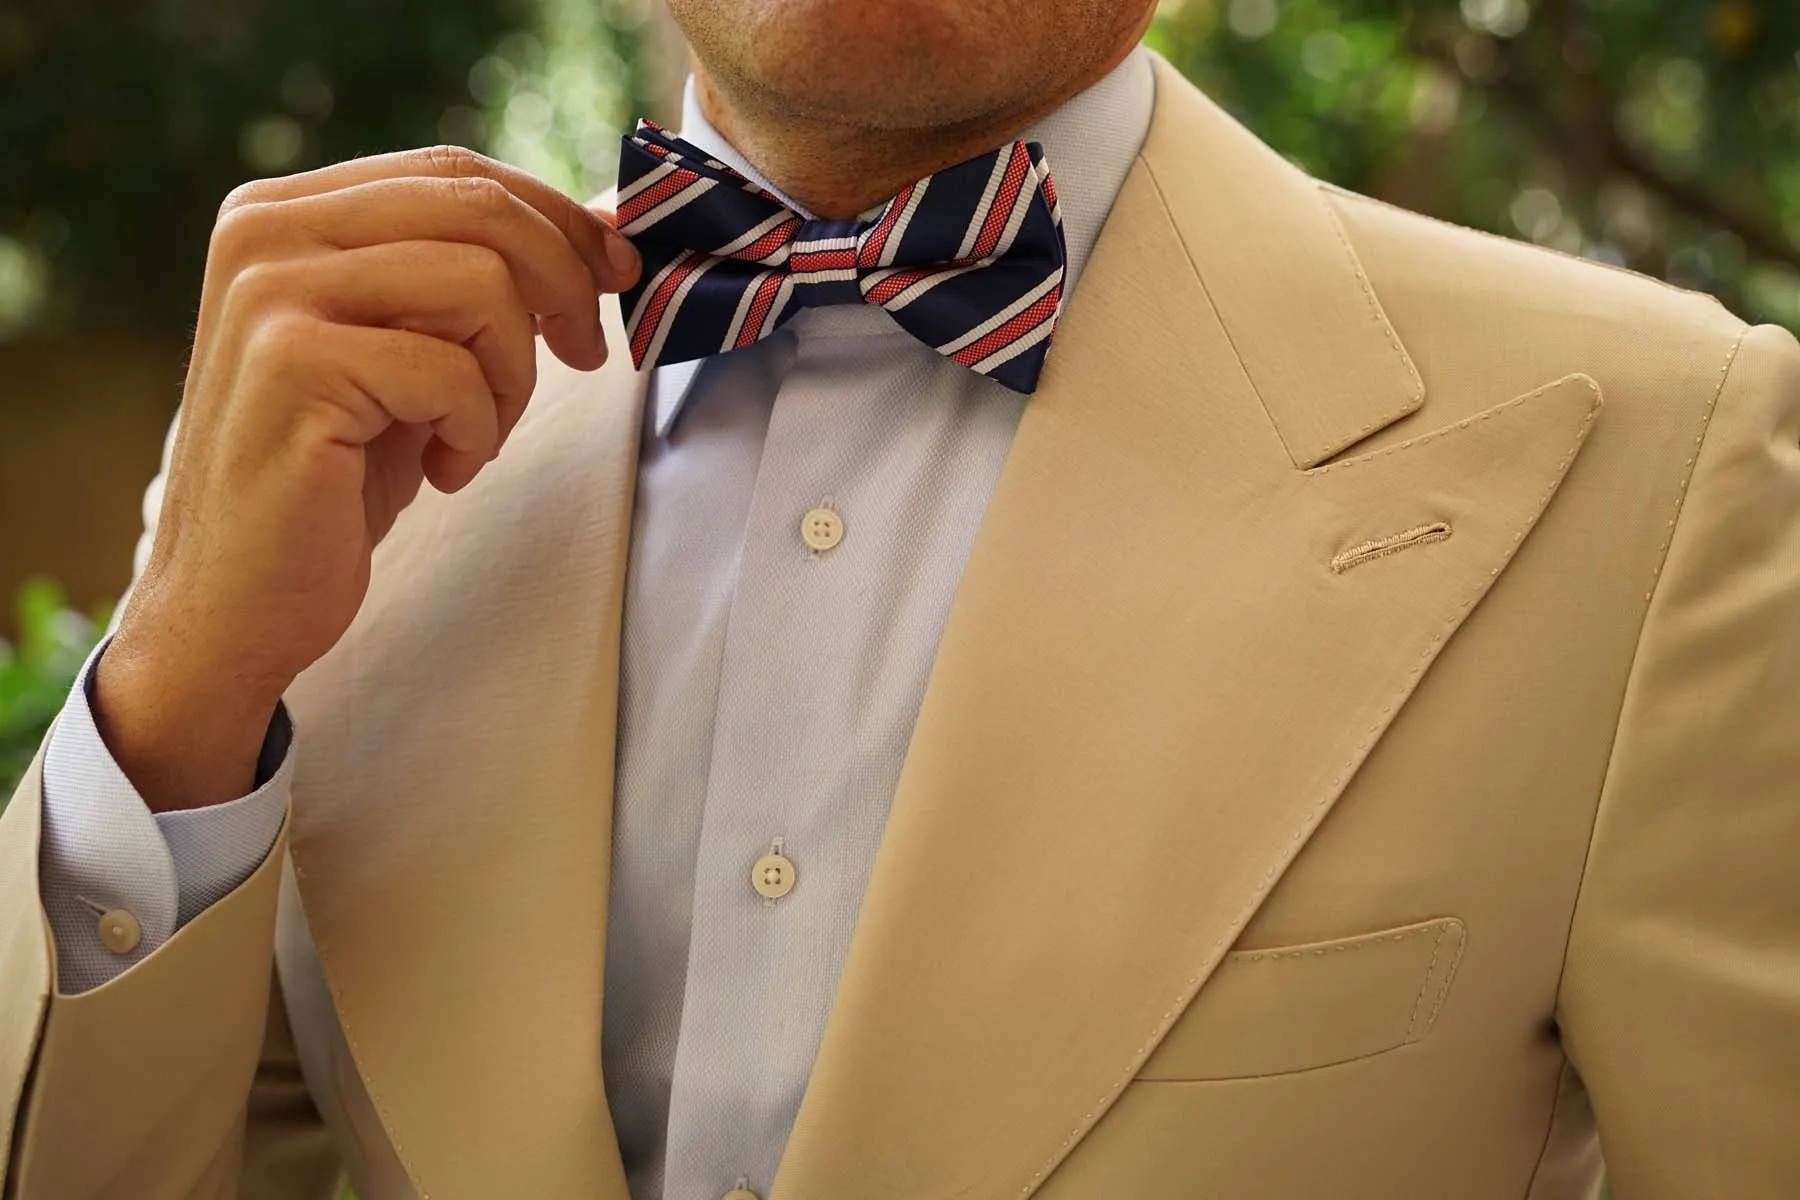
(767, 697)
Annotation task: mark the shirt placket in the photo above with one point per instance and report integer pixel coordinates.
(764, 946)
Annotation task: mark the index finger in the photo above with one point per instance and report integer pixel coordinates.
(609, 255)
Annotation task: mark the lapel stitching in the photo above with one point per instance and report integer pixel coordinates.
(1106, 780)
(1398, 695)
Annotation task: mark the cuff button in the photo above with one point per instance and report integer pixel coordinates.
(120, 931)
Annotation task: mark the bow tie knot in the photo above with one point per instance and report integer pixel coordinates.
(823, 263)
(969, 260)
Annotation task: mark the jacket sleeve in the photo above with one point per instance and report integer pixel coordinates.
(1680, 1003)
(138, 1088)
(173, 1079)
(103, 849)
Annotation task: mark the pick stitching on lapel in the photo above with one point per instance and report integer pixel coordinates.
(1280, 272)
(1153, 685)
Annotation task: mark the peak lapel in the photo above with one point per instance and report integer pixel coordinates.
(1280, 272)
(1154, 683)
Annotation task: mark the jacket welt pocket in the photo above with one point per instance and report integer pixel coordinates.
(1293, 1008)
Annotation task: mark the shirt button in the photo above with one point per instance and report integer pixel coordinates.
(821, 529)
(772, 877)
(119, 931)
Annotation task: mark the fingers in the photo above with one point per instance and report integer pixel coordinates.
(463, 294)
(376, 377)
(608, 254)
(551, 278)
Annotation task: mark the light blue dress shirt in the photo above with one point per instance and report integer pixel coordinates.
(767, 696)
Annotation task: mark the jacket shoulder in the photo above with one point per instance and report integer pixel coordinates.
(1465, 301)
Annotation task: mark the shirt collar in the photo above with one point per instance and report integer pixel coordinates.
(1089, 144)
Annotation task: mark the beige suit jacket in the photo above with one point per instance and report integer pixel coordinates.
(1363, 760)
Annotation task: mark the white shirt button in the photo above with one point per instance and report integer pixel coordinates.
(773, 876)
(119, 931)
(821, 529)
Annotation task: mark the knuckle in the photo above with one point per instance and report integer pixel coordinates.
(476, 272)
(241, 196)
(258, 285)
(284, 347)
(455, 161)
(486, 197)
(487, 271)
(239, 231)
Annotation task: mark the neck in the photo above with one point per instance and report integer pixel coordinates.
(838, 170)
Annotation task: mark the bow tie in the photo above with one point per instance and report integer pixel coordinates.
(969, 260)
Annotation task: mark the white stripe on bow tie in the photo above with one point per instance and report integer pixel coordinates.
(679, 200)
(906, 215)
(755, 235)
(1003, 316)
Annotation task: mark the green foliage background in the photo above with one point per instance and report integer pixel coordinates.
(35, 675)
(122, 126)
(1661, 134)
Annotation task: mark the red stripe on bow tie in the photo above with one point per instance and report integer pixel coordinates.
(760, 307)
(1020, 325)
(658, 302)
(898, 282)
(1004, 200)
(837, 258)
(875, 241)
(663, 189)
(769, 242)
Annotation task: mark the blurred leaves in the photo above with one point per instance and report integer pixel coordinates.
(556, 96)
(1660, 134)
(1663, 135)
(122, 126)
(35, 675)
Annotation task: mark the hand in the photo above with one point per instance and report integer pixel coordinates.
(363, 328)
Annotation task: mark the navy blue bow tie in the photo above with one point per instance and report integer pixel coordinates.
(969, 260)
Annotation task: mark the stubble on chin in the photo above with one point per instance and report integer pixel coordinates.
(884, 67)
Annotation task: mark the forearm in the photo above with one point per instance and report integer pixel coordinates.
(185, 730)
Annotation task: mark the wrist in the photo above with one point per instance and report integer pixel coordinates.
(187, 732)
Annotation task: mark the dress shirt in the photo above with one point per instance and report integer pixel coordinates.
(103, 850)
(770, 676)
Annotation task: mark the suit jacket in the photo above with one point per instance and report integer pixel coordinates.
(1361, 762)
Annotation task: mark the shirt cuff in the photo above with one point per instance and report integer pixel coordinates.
(103, 849)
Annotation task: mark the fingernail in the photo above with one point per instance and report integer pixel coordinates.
(621, 255)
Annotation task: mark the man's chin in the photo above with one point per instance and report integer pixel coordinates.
(916, 65)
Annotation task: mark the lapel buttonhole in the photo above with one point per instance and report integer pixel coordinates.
(1420, 535)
